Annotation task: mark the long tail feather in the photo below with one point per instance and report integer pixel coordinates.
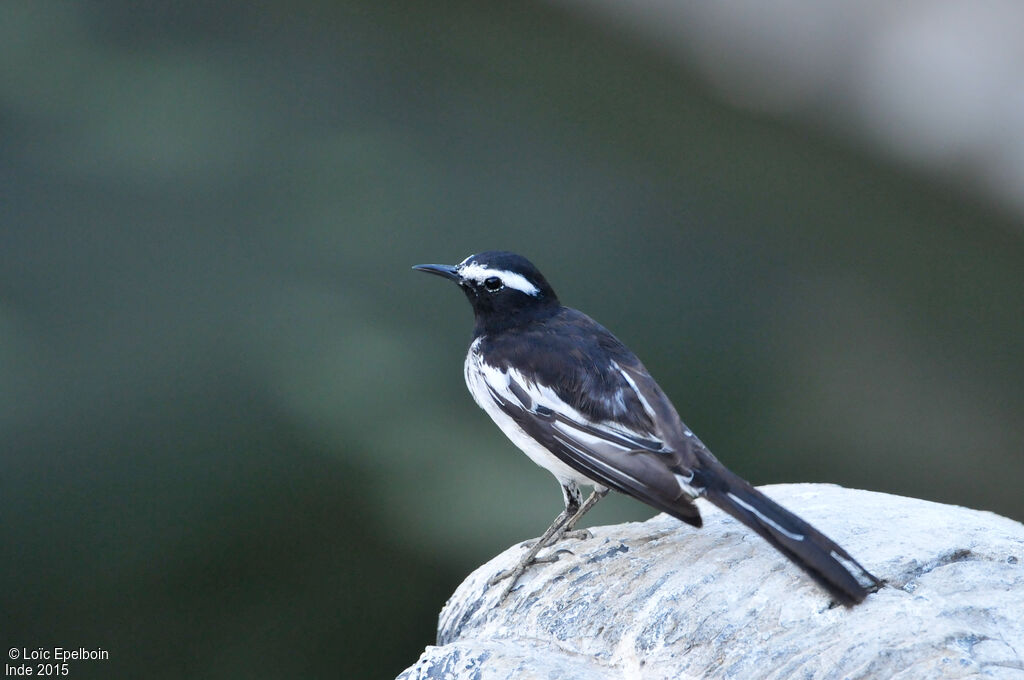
(814, 552)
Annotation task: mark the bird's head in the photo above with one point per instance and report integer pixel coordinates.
(505, 289)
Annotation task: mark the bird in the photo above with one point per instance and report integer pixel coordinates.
(580, 404)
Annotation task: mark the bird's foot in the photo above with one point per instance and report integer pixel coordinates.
(560, 528)
(579, 535)
(513, 574)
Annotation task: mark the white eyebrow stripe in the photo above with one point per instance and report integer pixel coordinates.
(519, 282)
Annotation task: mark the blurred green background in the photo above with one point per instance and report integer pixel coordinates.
(235, 437)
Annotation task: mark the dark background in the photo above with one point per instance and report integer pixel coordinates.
(235, 437)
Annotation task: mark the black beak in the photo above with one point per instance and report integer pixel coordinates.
(445, 270)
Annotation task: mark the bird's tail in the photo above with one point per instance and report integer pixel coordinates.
(814, 552)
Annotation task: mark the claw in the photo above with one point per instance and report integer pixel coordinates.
(552, 557)
(500, 576)
(579, 535)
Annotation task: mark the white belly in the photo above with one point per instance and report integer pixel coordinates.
(474, 373)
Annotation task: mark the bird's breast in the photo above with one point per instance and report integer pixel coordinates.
(481, 380)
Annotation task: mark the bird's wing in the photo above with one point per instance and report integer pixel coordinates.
(637, 463)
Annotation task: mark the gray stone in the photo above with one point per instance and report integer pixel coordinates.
(659, 599)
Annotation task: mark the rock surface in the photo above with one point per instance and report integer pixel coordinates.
(659, 599)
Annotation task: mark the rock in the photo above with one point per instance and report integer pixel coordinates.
(659, 599)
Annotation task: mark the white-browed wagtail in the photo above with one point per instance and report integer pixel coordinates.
(580, 404)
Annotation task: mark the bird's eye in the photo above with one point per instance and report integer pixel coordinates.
(492, 283)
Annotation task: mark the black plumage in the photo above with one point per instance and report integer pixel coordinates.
(581, 404)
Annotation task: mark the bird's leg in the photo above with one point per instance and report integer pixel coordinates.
(565, 521)
(568, 532)
(597, 494)
(573, 502)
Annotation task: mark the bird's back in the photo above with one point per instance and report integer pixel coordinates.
(571, 353)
